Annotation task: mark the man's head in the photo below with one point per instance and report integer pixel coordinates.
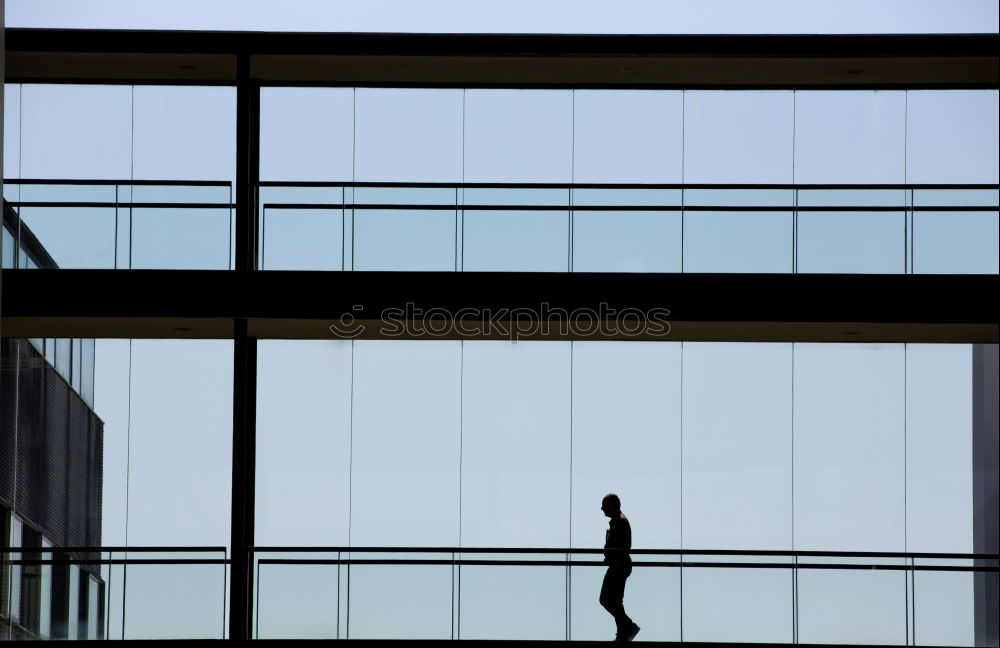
(611, 505)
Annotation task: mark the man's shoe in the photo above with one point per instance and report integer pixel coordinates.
(630, 635)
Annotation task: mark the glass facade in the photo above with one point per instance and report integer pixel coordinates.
(411, 488)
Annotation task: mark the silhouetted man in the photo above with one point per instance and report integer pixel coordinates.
(619, 536)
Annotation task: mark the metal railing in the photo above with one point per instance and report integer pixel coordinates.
(372, 590)
(668, 228)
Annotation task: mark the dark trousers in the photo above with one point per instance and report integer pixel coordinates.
(613, 593)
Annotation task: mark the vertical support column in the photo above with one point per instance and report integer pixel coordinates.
(244, 470)
(986, 483)
(244, 355)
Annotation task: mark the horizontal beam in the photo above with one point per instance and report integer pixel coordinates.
(508, 60)
(481, 305)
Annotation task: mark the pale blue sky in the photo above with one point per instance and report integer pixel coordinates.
(529, 16)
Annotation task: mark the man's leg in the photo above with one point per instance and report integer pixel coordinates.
(612, 597)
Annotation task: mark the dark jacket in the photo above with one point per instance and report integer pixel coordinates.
(618, 536)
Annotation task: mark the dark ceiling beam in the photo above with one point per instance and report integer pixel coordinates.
(512, 60)
(190, 303)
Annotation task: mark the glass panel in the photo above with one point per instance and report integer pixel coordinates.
(298, 601)
(738, 136)
(498, 476)
(408, 135)
(623, 197)
(852, 606)
(738, 604)
(518, 135)
(77, 363)
(853, 198)
(401, 601)
(956, 243)
(406, 438)
(302, 239)
(180, 238)
(627, 136)
(221, 195)
(849, 448)
(737, 242)
(7, 252)
(63, 359)
(31, 192)
(172, 122)
(652, 600)
(850, 136)
(307, 134)
(11, 137)
(515, 241)
(851, 242)
(73, 237)
(16, 571)
(170, 381)
(45, 594)
(303, 443)
(93, 603)
(737, 449)
(397, 240)
(739, 198)
(76, 131)
(626, 241)
(952, 136)
(956, 197)
(73, 628)
(626, 440)
(944, 605)
(87, 371)
(533, 600)
(939, 448)
(158, 596)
